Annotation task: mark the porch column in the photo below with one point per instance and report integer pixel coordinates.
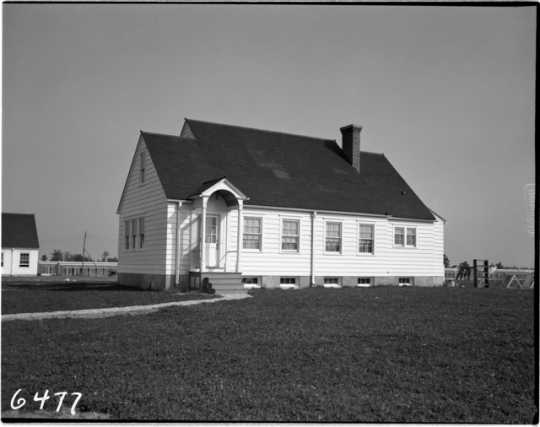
(202, 245)
(239, 238)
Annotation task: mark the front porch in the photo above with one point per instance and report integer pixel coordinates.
(215, 238)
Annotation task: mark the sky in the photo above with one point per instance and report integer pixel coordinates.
(447, 93)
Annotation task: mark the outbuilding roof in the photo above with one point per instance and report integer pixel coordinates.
(19, 231)
(280, 170)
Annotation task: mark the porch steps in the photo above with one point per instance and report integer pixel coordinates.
(224, 281)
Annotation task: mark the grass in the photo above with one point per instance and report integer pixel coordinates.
(32, 297)
(367, 355)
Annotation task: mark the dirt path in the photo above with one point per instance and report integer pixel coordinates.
(96, 313)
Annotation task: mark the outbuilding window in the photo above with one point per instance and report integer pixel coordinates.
(24, 259)
(366, 238)
(333, 237)
(290, 234)
(252, 232)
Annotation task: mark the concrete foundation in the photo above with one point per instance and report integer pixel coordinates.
(156, 282)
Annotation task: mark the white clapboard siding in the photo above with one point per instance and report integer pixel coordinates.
(424, 260)
(143, 200)
(271, 260)
(11, 262)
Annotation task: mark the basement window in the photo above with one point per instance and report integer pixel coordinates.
(331, 280)
(287, 280)
(24, 259)
(363, 281)
(250, 280)
(405, 281)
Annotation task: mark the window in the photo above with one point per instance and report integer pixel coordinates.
(24, 259)
(404, 281)
(363, 281)
(126, 233)
(252, 232)
(211, 229)
(411, 236)
(290, 234)
(142, 170)
(398, 236)
(287, 280)
(366, 238)
(141, 232)
(250, 280)
(133, 233)
(2, 259)
(333, 237)
(331, 280)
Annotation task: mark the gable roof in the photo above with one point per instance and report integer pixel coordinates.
(19, 231)
(281, 170)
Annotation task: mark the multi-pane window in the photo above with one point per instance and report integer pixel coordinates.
(252, 232)
(333, 237)
(290, 234)
(399, 233)
(133, 228)
(142, 166)
(24, 259)
(287, 280)
(211, 229)
(366, 238)
(141, 232)
(133, 232)
(250, 280)
(365, 281)
(126, 233)
(411, 236)
(331, 280)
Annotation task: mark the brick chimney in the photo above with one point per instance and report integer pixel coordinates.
(350, 144)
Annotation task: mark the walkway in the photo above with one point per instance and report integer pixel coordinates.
(96, 313)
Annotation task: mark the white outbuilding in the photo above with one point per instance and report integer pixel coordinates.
(20, 245)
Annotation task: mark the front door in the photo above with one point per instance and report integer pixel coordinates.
(212, 241)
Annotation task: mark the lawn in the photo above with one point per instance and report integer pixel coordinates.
(368, 355)
(36, 297)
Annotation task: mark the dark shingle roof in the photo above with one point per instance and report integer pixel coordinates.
(281, 170)
(19, 231)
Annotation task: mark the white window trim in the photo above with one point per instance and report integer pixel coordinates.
(137, 235)
(332, 253)
(364, 285)
(20, 259)
(289, 218)
(359, 223)
(415, 237)
(253, 250)
(405, 245)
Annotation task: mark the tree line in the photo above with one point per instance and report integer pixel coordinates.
(58, 255)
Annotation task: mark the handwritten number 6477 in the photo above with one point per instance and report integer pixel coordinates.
(18, 402)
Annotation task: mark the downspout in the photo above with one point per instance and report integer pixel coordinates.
(312, 267)
(177, 261)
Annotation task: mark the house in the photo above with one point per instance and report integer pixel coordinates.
(20, 245)
(275, 210)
